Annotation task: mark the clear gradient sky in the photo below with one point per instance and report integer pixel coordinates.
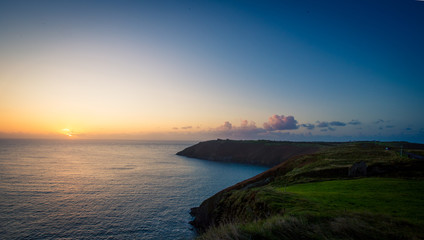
(194, 70)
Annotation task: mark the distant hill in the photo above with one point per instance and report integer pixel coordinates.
(354, 190)
(263, 152)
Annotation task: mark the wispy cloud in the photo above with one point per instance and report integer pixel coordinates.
(354, 122)
(327, 129)
(182, 128)
(308, 126)
(327, 126)
(337, 123)
(322, 124)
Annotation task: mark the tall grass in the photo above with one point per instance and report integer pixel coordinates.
(351, 226)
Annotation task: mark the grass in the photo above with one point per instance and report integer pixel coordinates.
(399, 198)
(366, 208)
(331, 163)
(349, 226)
(312, 197)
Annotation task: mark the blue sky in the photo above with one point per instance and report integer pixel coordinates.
(291, 70)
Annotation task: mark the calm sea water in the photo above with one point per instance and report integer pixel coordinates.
(80, 189)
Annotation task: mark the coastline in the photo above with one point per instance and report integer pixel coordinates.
(256, 198)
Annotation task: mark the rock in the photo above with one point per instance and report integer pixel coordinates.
(358, 169)
(193, 211)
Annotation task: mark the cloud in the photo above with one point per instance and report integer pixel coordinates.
(277, 122)
(245, 123)
(354, 122)
(246, 130)
(227, 126)
(245, 126)
(337, 123)
(328, 125)
(308, 126)
(379, 121)
(328, 129)
(323, 124)
(183, 128)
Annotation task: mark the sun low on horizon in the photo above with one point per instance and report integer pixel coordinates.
(198, 70)
(67, 132)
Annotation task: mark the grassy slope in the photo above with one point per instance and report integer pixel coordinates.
(398, 198)
(301, 202)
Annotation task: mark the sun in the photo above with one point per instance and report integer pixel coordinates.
(67, 132)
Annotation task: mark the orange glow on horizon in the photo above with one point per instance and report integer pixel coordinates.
(67, 132)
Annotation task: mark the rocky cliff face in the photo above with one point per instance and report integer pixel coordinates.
(214, 210)
(265, 153)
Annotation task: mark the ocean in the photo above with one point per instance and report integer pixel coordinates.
(104, 189)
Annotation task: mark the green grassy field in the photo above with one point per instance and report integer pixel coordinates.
(366, 208)
(398, 198)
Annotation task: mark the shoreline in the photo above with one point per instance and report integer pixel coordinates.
(377, 159)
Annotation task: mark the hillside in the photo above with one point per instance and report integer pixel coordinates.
(353, 190)
(265, 153)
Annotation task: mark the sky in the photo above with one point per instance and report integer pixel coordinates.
(197, 70)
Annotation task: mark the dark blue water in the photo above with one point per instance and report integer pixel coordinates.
(80, 189)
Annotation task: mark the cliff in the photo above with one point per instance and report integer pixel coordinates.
(262, 206)
(265, 153)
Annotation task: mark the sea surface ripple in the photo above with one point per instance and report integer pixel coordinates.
(104, 189)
